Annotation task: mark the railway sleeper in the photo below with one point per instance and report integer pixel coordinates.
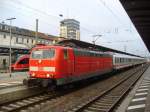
(6, 108)
(33, 99)
(20, 103)
(98, 103)
(100, 106)
(27, 101)
(112, 96)
(106, 100)
(93, 109)
(14, 105)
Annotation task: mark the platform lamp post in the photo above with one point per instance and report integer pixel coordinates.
(10, 28)
(36, 33)
(60, 15)
(61, 22)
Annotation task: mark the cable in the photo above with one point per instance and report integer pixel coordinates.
(28, 16)
(43, 13)
(33, 9)
(110, 10)
(121, 41)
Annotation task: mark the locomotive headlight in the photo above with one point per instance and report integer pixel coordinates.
(33, 74)
(47, 75)
(40, 60)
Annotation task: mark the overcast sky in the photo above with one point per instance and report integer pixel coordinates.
(96, 17)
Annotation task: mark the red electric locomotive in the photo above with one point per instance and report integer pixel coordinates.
(60, 65)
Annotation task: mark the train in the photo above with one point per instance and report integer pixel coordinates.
(60, 65)
(21, 64)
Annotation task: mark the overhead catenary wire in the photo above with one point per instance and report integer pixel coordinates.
(23, 14)
(111, 11)
(34, 9)
(37, 11)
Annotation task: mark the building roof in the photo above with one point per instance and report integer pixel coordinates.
(4, 50)
(86, 45)
(139, 12)
(26, 32)
(68, 20)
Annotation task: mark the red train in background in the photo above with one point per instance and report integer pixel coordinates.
(21, 64)
(58, 65)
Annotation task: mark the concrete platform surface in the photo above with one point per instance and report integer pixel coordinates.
(138, 99)
(15, 79)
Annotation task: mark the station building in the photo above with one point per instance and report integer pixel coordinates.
(22, 41)
(70, 29)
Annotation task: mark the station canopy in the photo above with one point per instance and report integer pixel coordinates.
(139, 12)
(4, 50)
(85, 45)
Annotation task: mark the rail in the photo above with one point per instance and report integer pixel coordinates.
(106, 101)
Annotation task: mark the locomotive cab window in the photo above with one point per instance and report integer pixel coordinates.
(43, 53)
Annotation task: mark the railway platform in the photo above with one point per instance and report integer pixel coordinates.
(138, 100)
(15, 79)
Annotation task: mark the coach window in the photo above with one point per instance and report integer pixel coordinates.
(65, 54)
(116, 60)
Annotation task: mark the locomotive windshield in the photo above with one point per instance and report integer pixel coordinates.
(43, 53)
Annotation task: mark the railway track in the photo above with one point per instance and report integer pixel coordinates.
(3, 86)
(27, 102)
(34, 101)
(108, 100)
(21, 104)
